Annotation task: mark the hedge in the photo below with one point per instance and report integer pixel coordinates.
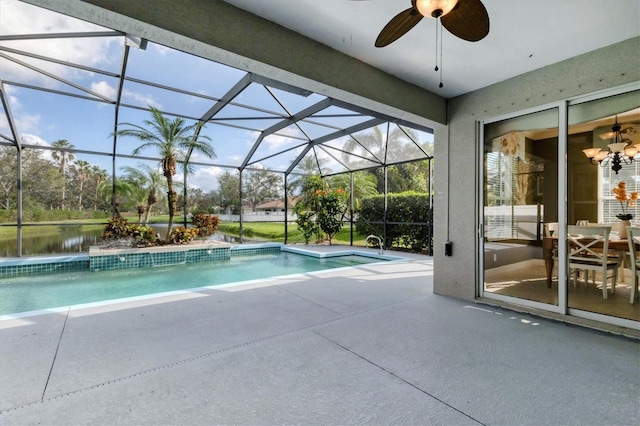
(407, 208)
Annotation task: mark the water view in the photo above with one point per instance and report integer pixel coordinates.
(71, 239)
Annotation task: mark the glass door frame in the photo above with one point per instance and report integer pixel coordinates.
(563, 121)
(560, 308)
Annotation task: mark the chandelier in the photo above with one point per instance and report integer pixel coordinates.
(620, 152)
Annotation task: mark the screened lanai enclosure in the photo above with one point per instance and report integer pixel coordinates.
(68, 87)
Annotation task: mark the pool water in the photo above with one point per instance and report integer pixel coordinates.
(38, 292)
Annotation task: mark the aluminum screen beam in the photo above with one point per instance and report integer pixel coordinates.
(325, 103)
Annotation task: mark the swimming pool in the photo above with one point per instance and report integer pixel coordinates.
(39, 292)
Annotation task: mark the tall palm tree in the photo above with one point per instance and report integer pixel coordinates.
(83, 172)
(98, 176)
(150, 180)
(122, 188)
(369, 145)
(173, 139)
(62, 156)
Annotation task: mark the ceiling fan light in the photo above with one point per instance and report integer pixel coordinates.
(434, 8)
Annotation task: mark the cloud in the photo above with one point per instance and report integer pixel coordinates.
(197, 157)
(146, 100)
(4, 123)
(205, 178)
(23, 122)
(28, 122)
(276, 141)
(30, 139)
(103, 88)
(21, 18)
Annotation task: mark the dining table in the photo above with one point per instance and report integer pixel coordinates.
(550, 243)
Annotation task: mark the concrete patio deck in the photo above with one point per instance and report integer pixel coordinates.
(367, 345)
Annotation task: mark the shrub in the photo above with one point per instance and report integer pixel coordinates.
(182, 235)
(411, 213)
(306, 224)
(8, 216)
(143, 235)
(332, 206)
(205, 224)
(115, 228)
(320, 211)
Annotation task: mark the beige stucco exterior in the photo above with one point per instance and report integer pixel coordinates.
(456, 186)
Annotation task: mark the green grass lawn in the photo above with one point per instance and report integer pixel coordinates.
(270, 231)
(275, 232)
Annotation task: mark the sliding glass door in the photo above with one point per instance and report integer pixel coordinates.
(591, 198)
(521, 207)
(538, 180)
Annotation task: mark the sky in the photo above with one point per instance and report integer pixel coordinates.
(44, 117)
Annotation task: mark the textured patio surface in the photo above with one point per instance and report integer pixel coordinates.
(368, 345)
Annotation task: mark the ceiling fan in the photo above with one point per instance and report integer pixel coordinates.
(466, 19)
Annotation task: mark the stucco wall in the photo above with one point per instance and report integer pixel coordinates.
(456, 174)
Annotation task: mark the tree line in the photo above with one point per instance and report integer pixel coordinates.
(60, 181)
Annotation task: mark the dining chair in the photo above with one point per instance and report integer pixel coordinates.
(633, 235)
(551, 229)
(589, 251)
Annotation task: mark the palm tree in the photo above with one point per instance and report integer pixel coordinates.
(62, 156)
(174, 140)
(369, 145)
(119, 188)
(98, 176)
(148, 178)
(309, 165)
(83, 172)
(364, 185)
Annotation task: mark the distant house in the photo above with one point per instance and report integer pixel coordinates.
(277, 206)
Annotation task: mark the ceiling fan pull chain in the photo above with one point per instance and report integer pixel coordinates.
(440, 85)
(436, 68)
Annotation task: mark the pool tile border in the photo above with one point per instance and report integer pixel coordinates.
(113, 259)
(348, 252)
(11, 268)
(239, 250)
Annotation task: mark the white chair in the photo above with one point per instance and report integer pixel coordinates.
(589, 251)
(551, 229)
(633, 235)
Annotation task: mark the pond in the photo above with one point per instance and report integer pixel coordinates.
(70, 239)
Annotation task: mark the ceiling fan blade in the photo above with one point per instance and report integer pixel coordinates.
(469, 20)
(398, 26)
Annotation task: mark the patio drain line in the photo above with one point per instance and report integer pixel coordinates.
(159, 368)
(55, 355)
(210, 354)
(399, 378)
